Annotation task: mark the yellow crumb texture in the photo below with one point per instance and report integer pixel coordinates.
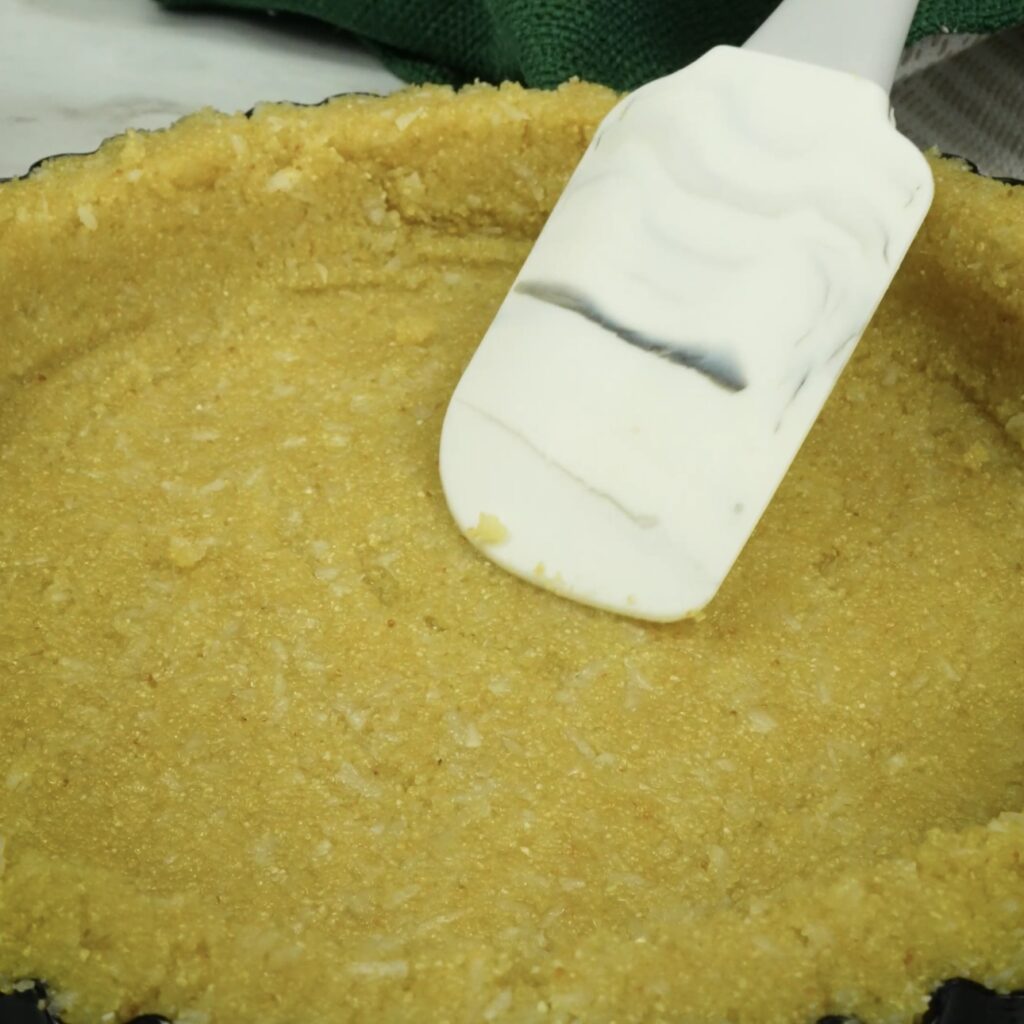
(277, 745)
(488, 530)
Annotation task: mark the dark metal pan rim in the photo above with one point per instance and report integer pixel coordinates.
(957, 1001)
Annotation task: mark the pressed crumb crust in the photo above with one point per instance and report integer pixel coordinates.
(277, 745)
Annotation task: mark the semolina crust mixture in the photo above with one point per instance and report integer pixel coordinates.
(276, 743)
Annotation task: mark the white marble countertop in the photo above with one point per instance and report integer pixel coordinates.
(73, 73)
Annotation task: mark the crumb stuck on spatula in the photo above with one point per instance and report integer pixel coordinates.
(489, 530)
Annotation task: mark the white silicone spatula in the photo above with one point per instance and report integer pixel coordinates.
(686, 311)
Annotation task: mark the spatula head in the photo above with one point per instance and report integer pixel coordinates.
(677, 328)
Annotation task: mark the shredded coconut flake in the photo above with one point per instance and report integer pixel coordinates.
(349, 776)
(465, 733)
(498, 1005)
(761, 721)
(379, 968)
(87, 215)
(404, 120)
(192, 1017)
(283, 180)
(581, 744)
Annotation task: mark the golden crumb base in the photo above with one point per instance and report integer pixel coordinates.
(277, 745)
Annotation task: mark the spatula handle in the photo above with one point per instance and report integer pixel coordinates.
(864, 37)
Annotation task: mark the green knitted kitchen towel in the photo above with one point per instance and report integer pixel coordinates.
(621, 43)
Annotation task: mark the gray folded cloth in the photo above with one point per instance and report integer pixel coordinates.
(964, 94)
